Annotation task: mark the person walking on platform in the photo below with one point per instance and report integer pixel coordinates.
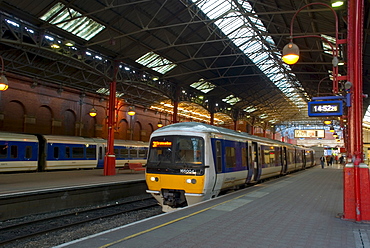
(327, 160)
(322, 161)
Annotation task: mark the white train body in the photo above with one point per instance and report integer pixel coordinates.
(191, 162)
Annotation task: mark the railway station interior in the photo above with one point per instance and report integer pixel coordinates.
(122, 69)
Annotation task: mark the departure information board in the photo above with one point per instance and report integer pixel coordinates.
(325, 108)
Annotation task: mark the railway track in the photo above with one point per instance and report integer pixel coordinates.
(29, 229)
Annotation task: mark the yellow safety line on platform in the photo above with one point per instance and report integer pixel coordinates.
(168, 223)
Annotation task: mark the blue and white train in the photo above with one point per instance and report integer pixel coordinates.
(28, 152)
(191, 162)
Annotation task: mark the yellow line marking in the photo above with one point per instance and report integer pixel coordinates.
(168, 223)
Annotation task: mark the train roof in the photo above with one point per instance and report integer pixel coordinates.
(18, 137)
(205, 128)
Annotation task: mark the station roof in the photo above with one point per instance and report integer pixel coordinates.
(222, 56)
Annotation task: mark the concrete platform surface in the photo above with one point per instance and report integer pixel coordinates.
(296, 211)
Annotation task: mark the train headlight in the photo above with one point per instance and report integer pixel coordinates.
(154, 179)
(193, 181)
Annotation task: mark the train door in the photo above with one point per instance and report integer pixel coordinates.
(218, 168)
(257, 169)
(100, 155)
(249, 162)
(284, 160)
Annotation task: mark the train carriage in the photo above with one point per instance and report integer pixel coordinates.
(18, 152)
(191, 162)
(67, 152)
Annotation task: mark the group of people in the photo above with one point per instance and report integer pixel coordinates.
(329, 159)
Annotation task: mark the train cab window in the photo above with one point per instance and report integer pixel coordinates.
(90, 152)
(142, 153)
(68, 152)
(56, 152)
(189, 150)
(28, 152)
(3, 151)
(77, 152)
(230, 157)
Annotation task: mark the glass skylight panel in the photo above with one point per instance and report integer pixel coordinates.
(254, 48)
(203, 86)
(156, 62)
(250, 109)
(367, 115)
(72, 21)
(231, 99)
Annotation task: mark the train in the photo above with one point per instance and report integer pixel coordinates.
(36, 152)
(191, 162)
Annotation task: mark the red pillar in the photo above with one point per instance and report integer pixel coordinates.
(175, 111)
(356, 173)
(110, 157)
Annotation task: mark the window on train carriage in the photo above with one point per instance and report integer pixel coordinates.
(189, 150)
(268, 156)
(230, 157)
(133, 152)
(142, 153)
(68, 152)
(28, 153)
(3, 151)
(124, 152)
(56, 152)
(244, 157)
(91, 152)
(117, 152)
(14, 151)
(77, 152)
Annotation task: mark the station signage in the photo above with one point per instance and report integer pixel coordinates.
(309, 133)
(325, 108)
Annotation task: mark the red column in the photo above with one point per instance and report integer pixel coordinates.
(356, 173)
(175, 111)
(110, 157)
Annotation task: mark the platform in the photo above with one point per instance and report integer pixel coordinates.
(298, 210)
(34, 181)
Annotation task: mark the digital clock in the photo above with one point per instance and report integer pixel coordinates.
(325, 108)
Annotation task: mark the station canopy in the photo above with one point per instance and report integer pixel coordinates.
(220, 56)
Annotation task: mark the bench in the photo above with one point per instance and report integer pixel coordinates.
(136, 166)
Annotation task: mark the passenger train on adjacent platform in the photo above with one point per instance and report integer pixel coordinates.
(191, 162)
(28, 152)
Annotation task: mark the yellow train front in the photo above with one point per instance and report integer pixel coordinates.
(192, 162)
(176, 168)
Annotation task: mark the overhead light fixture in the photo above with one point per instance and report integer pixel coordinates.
(327, 122)
(332, 130)
(336, 3)
(93, 112)
(3, 80)
(159, 124)
(55, 46)
(69, 43)
(131, 111)
(290, 53)
(335, 135)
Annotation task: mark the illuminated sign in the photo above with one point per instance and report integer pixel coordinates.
(325, 108)
(309, 133)
(161, 144)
